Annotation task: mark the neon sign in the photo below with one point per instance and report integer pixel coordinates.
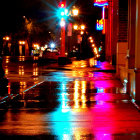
(100, 25)
(101, 3)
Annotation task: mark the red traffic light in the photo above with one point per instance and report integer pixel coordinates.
(62, 4)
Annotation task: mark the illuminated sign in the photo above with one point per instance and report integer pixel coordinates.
(100, 25)
(101, 3)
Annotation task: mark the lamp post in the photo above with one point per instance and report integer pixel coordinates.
(21, 43)
(80, 31)
(6, 45)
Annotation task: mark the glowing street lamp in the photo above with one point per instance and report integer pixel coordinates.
(82, 32)
(91, 40)
(7, 38)
(75, 27)
(90, 37)
(21, 42)
(82, 27)
(75, 12)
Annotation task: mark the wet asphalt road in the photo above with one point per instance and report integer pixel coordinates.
(81, 101)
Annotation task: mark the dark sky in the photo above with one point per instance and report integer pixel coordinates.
(12, 12)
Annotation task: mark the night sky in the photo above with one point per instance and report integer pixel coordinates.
(43, 12)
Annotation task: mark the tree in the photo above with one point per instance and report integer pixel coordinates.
(85, 46)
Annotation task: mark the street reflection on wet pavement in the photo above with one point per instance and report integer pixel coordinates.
(74, 102)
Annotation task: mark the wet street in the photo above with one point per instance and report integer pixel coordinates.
(80, 101)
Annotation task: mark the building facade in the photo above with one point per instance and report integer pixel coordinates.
(122, 42)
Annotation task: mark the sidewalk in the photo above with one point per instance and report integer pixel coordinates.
(90, 103)
(76, 64)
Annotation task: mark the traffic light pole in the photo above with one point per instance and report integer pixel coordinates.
(62, 60)
(62, 51)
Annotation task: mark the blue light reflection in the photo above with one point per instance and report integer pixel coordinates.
(61, 118)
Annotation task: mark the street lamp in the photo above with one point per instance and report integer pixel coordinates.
(7, 38)
(90, 37)
(22, 42)
(82, 27)
(75, 27)
(82, 32)
(79, 27)
(91, 40)
(75, 11)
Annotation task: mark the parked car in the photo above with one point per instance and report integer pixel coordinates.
(48, 54)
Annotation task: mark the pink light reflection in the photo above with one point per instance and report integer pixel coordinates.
(107, 84)
(103, 137)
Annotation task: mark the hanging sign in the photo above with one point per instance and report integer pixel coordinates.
(100, 2)
(69, 29)
(100, 25)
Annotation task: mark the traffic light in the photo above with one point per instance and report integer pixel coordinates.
(62, 5)
(62, 11)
